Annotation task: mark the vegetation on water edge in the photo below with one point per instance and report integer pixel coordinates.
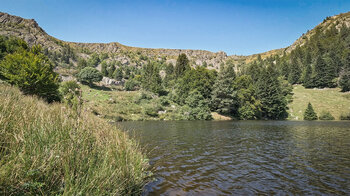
(50, 149)
(309, 113)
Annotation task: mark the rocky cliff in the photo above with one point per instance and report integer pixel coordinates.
(32, 33)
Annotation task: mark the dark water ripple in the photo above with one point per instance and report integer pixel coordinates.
(245, 158)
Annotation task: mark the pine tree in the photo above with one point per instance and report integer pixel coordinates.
(224, 99)
(104, 68)
(309, 113)
(151, 79)
(319, 73)
(285, 69)
(307, 77)
(294, 72)
(111, 69)
(270, 93)
(344, 76)
(118, 74)
(182, 65)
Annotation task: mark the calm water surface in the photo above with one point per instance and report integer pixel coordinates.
(246, 157)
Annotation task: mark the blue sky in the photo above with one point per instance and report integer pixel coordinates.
(240, 27)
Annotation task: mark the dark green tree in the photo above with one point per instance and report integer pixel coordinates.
(319, 73)
(89, 75)
(82, 64)
(111, 70)
(182, 65)
(9, 45)
(94, 60)
(224, 96)
(294, 71)
(344, 79)
(198, 106)
(270, 94)
(249, 105)
(200, 79)
(32, 72)
(307, 77)
(104, 68)
(151, 79)
(344, 76)
(118, 74)
(309, 113)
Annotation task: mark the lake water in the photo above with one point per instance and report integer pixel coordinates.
(245, 157)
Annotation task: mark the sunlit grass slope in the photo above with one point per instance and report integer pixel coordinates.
(50, 150)
(331, 100)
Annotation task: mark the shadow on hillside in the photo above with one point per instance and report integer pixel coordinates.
(101, 88)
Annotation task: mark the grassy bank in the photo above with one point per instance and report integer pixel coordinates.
(331, 100)
(50, 150)
(129, 105)
(136, 105)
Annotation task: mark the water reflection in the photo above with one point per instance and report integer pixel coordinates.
(248, 157)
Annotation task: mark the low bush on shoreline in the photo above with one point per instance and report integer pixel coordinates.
(51, 150)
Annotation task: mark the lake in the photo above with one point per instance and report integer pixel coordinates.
(245, 157)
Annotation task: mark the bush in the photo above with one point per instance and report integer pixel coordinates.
(32, 72)
(131, 85)
(310, 114)
(88, 75)
(47, 150)
(325, 115)
(71, 94)
(345, 116)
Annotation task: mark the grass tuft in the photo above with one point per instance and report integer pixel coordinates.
(49, 150)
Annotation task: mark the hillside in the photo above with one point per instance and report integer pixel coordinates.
(32, 33)
(331, 100)
(246, 88)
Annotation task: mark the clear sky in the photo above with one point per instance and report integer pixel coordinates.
(240, 27)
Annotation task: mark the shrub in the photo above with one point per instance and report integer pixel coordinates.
(32, 72)
(164, 101)
(130, 85)
(325, 115)
(310, 114)
(88, 75)
(345, 116)
(46, 150)
(71, 94)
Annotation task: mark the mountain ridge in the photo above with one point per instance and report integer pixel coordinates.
(32, 33)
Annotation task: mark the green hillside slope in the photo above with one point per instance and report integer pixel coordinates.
(331, 100)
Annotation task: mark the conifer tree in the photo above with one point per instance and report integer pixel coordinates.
(344, 76)
(224, 99)
(104, 68)
(182, 65)
(270, 93)
(307, 77)
(111, 69)
(284, 69)
(319, 73)
(309, 113)
(118, 74)
(294, 72)
(151, 79)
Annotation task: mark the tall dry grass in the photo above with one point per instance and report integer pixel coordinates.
(49, 150)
